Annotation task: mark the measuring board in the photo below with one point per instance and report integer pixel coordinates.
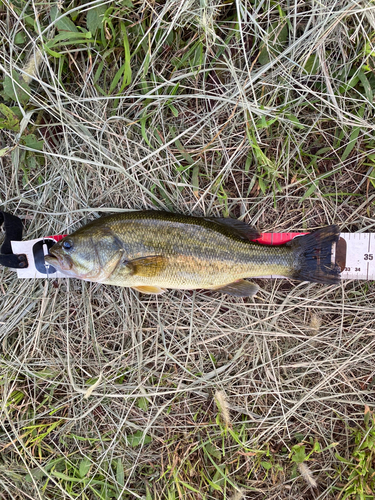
(354, 253)
(360, 252)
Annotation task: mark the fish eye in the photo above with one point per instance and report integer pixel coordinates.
(67, 245)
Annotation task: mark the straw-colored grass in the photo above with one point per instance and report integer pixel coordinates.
(260, 110)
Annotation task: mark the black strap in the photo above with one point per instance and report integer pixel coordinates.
(13, 232)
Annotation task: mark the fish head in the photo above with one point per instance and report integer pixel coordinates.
(74, 256)
(91, 253)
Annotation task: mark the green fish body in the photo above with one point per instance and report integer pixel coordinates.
(152, 251)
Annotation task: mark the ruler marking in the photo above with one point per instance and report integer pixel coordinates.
(356, 257)
(360, 258)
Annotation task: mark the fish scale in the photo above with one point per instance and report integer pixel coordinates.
(198, 256)
(152, 251)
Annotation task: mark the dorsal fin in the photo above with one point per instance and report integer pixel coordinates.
(225, 225)
(236, 227)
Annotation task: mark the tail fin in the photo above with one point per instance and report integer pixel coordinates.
(313, 256)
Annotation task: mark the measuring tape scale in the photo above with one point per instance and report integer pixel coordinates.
(354, 253)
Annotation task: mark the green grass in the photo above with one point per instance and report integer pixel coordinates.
(259, 110)
(358, 467)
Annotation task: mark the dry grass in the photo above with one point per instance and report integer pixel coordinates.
(107, 393)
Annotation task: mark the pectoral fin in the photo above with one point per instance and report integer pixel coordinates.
(148, 267)
(240, 288)
(149, 289)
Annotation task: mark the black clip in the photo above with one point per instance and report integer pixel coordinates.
(13, 232)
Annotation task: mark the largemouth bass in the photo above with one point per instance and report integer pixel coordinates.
(151, 251)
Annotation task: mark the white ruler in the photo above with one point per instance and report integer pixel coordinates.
(355, 254)
(35, 250)
(360, 256)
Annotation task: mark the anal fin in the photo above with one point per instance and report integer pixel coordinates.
(157, 290)
(240, 288)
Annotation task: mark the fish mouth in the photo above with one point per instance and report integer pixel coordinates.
(50, 259)
(59, 262)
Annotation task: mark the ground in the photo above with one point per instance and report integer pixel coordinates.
(258, 110)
